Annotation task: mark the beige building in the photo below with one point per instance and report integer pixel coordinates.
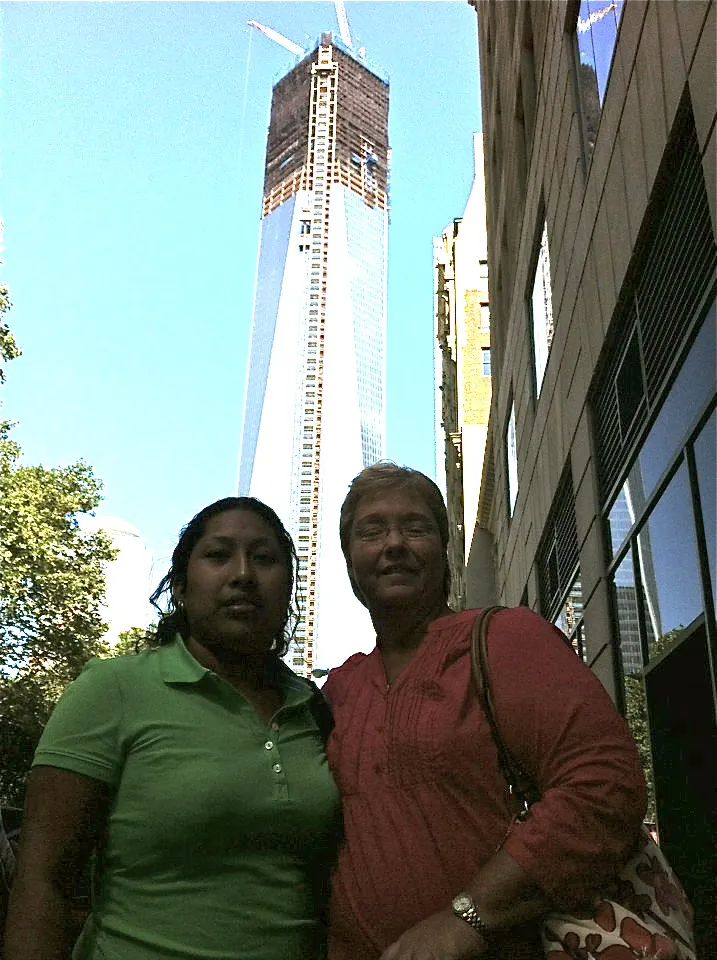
(463, 372)
(599, 486)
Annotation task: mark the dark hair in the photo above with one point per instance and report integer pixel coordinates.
(383, 476)
(172, 619)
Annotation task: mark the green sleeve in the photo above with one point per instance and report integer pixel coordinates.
(83, 732)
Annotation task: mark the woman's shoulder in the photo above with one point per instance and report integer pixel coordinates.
(128, 668)
(356, 662)
(343, 677)
(511, 621)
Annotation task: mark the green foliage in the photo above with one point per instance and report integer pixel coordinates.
(9, 349)
(637, 721)
(51, 586)
(636, 717)
(133, 640)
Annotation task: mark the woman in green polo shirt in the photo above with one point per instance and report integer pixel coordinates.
(195, 769)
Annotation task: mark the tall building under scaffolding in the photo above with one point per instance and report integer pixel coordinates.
(314, 411)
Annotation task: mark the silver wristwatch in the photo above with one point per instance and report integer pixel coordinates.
(463, 907)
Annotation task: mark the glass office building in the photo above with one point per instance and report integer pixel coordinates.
(315, 403)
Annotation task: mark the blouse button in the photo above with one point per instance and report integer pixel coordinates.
(269, 744)
(275, 725)
(277, 768)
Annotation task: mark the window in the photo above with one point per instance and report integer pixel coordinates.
(541, 310)
(570, 617)
(558, 566)
(485, 351)
(665, 509)
(484, 316)
(511, 460)
(629, 385)
(596, 35)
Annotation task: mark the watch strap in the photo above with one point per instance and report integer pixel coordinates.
(465, 909)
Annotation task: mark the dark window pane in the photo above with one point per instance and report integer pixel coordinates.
(668, 562)
(705, 458)
(629, 385)
(625, 593)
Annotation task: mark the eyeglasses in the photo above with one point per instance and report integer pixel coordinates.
(410, 529)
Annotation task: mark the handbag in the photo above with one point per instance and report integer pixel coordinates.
(643, 914)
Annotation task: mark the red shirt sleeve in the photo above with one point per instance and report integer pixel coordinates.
(562, 727)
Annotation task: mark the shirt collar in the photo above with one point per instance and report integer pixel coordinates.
(177, 665)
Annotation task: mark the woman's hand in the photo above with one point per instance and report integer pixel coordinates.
(443, 936)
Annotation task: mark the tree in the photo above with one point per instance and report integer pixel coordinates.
(133, 640)
(636, 717)
(9, 350)
(51, 586)
(637, 721)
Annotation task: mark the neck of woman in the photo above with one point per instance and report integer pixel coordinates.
(245, 671)
(400, 630)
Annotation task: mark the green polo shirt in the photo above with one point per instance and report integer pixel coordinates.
(222, 828)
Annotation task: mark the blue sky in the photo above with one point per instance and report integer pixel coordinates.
(132, 141)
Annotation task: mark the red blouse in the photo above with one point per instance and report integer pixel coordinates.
(425, 805)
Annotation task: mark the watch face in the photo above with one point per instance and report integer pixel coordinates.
(462, 903)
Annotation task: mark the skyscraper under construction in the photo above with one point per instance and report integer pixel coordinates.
(314, 412)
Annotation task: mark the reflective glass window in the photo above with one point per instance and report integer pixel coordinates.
(596, 33)
(705, 460)
(628, 622)
(512, 454)
(569, 620)
(668, 562)
(622, 516)
(541, 310)
(694, 386)
(596, 29)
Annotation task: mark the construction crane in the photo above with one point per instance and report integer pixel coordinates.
(340, 9)
(294, 48)
(278, 38)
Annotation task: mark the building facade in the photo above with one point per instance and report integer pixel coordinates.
(314, 412)
(463, 373)
(599, 493)
(130, 577)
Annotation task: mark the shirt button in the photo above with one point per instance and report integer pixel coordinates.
(275, 725)
(269, 744)
(277, 768)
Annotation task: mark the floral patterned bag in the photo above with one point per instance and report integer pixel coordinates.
(645, 914)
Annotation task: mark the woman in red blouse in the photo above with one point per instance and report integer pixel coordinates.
(430, 868)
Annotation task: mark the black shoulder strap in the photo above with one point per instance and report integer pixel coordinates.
(520, 785)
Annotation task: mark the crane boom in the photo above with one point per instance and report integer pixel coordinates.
(343, 22)
(584, 25)
(277, 38)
